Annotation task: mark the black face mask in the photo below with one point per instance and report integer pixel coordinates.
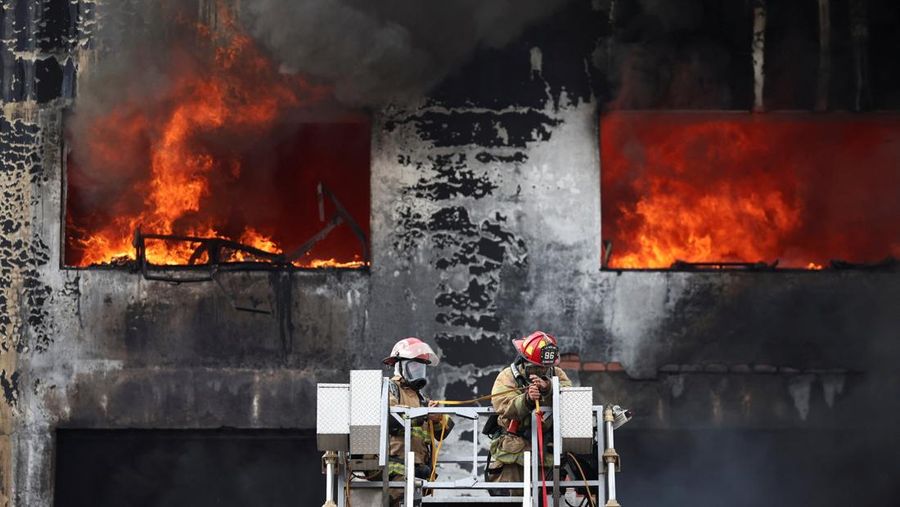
(527, 369)
(533, 369)
(414, 374)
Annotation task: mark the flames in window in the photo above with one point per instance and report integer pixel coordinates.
(799, 190)
(227, 148)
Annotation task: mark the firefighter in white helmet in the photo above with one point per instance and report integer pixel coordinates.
(411, 358)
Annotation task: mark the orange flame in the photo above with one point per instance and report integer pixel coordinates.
(725, 187)
(251, 237)
(331, 263)
(241, 94)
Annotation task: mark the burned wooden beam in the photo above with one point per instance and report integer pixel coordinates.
(758, 48)
(215, 248)
(888, 264)
(341, 215)
(319, 236)
(720, 266)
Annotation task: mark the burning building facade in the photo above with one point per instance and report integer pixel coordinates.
(197, 231)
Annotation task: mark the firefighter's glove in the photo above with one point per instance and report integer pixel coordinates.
(537, 387)
(435, 418)
(422, 471)
(395, 427)
(533, 393)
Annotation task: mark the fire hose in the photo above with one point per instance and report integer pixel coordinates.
(480, 398)
(436, 445)
(540, 436)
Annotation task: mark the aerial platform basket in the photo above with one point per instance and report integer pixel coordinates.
(352, 430)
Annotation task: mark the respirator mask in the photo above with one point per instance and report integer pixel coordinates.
(533, 369)
(414, 374)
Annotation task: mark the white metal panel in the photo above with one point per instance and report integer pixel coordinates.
(365, 411)
(576, 419)
(333, 417)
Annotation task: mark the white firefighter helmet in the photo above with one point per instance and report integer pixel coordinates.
(412, 348)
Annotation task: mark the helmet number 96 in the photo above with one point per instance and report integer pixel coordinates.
(549, 354)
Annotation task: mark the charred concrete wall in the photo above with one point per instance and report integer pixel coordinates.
(81, 343)
(485, 225)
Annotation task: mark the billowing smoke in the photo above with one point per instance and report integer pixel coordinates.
(389, 50)
(141, 49)
(180, 116)
(370, 52)
(186, 108)
(662, 55)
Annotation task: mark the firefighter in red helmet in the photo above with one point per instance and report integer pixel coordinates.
(410, 358)
(530, 373)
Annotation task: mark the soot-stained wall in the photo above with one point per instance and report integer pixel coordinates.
(485, 225)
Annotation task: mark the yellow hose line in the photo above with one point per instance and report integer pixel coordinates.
(437, 450)
(584, 478)
(476, 400)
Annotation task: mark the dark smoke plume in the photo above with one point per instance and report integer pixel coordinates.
(375, 52)
(662, 56)
(370, 52)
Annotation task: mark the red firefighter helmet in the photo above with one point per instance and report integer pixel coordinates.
(411, 348)
(538, 348)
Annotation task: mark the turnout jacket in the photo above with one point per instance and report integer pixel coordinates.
(401, 395)
(509, 448)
